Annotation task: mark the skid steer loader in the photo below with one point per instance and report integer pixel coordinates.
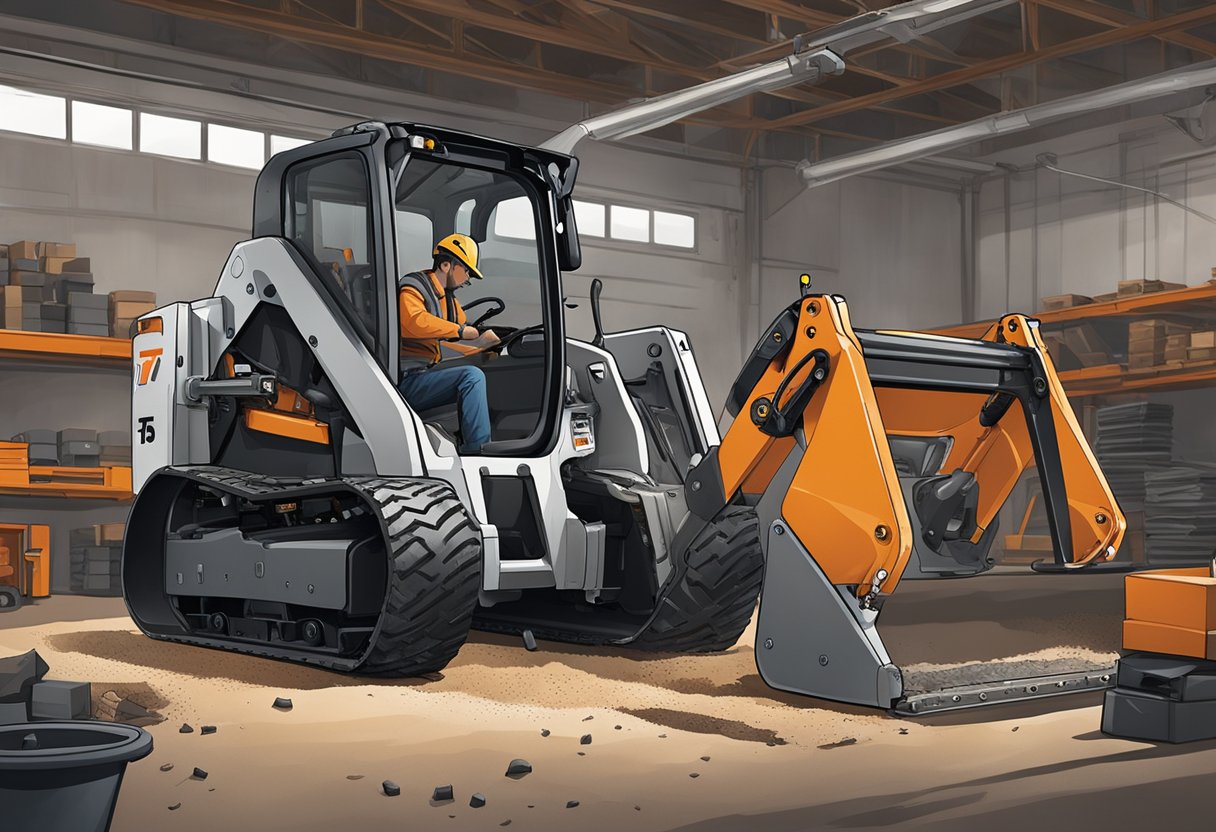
(291, 504)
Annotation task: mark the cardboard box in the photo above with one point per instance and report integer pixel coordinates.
(115, 438)
(49, 249)
(21, 265)
(132, 296)
(121, 327)
(130, 309)
(1154, 328)
(76, 435)
(53, 265)
(1064, 301)
(23, 250)
(78, 265)
(73, 285)
(1083, 339)
(1205, 339)
(1130, 288)
(1169, 640)
(1143, 361)
(109, 532)
(1200, 354)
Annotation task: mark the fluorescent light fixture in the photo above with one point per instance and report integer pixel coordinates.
(951, 138)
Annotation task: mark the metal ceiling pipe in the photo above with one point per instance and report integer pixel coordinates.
(888, 155)
(815, 57)
(808, 67)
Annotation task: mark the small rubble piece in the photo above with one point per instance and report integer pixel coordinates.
(506, 822)
(570, 804)
(637, 808)
(544, 732)
(209, 729)
(175, 807)
(281, 703)
(705, 759)
(442, 793)
(588, 718)
(18, 675)
(354, 777)
(167, 767)
(185, 729)
(903, 730)
(616, 727)
(1015, 728)
(694, 775)
(29, 742)
(582, 753)
(662, 736)
(390, 788)
(129, 704)
(529, 641)
(199, 774)
(840, 744)
(477, 800)
(518, 768)
(585, 739)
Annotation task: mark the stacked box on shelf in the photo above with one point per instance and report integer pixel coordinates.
(23, 308)
(78, 448)
(88, 314)
(3, 265)
(96, 559)
(1147, 341)
(1180, 513)
(125, 307)
(43, 446)
(1131, 288)
(14, 463)
(1201, 346)
(115, 447)
(1133, 439)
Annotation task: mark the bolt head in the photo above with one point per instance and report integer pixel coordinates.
(881, 532)
(768, 644)
(1100, 517)
(823, 660)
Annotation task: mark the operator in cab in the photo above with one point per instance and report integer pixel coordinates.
(429, 314)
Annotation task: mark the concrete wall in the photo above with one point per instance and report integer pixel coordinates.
(1041, 234)
(893, 248)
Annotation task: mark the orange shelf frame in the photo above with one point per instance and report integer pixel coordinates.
(53, 347)
(1197, 302)
(104, 483)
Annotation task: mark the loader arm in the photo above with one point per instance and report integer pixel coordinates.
(814, 406)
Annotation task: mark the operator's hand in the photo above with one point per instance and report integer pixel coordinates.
(469, 333)
(486, 340)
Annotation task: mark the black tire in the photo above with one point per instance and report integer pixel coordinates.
(10, 599)
(435, 552)
(711, 605)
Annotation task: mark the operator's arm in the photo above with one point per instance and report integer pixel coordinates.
(418, 323)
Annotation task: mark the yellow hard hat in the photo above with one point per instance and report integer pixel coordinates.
(463, 248)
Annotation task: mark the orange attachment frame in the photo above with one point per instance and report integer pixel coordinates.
(292, 427)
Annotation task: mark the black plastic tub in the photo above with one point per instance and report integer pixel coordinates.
(66, 778)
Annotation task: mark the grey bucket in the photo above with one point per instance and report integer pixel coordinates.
(70, 781)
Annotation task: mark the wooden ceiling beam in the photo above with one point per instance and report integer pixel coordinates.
(1150, 28)
(1098, 13)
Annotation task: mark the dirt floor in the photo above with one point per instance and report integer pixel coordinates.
(677, 742)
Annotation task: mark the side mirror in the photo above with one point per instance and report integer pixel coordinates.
(569, 252)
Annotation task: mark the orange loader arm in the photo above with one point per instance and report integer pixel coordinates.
(814, 407)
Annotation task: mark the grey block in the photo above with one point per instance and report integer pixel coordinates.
(13, 712)
(77, 435)
(79, 447)
(54, 311)
(96, 330)
(62, 700)
(87, 300)
(44, 454)
(97, 552)
(96, 582)
(97, 567)
(56, 327)
(19, 264)
(38, 436)
(1146, 716)
(84, 315)
(80, 461)
(1182, 679)
(114, 437)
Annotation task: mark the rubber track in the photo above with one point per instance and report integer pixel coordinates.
(434, 580)
(436, 573)
(715, 597)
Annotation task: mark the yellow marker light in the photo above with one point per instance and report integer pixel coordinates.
(429, 144)
(805, 280)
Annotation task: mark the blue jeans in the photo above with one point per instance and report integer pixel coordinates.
(425, 389)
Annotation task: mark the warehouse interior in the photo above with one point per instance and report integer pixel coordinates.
(1050, 157)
